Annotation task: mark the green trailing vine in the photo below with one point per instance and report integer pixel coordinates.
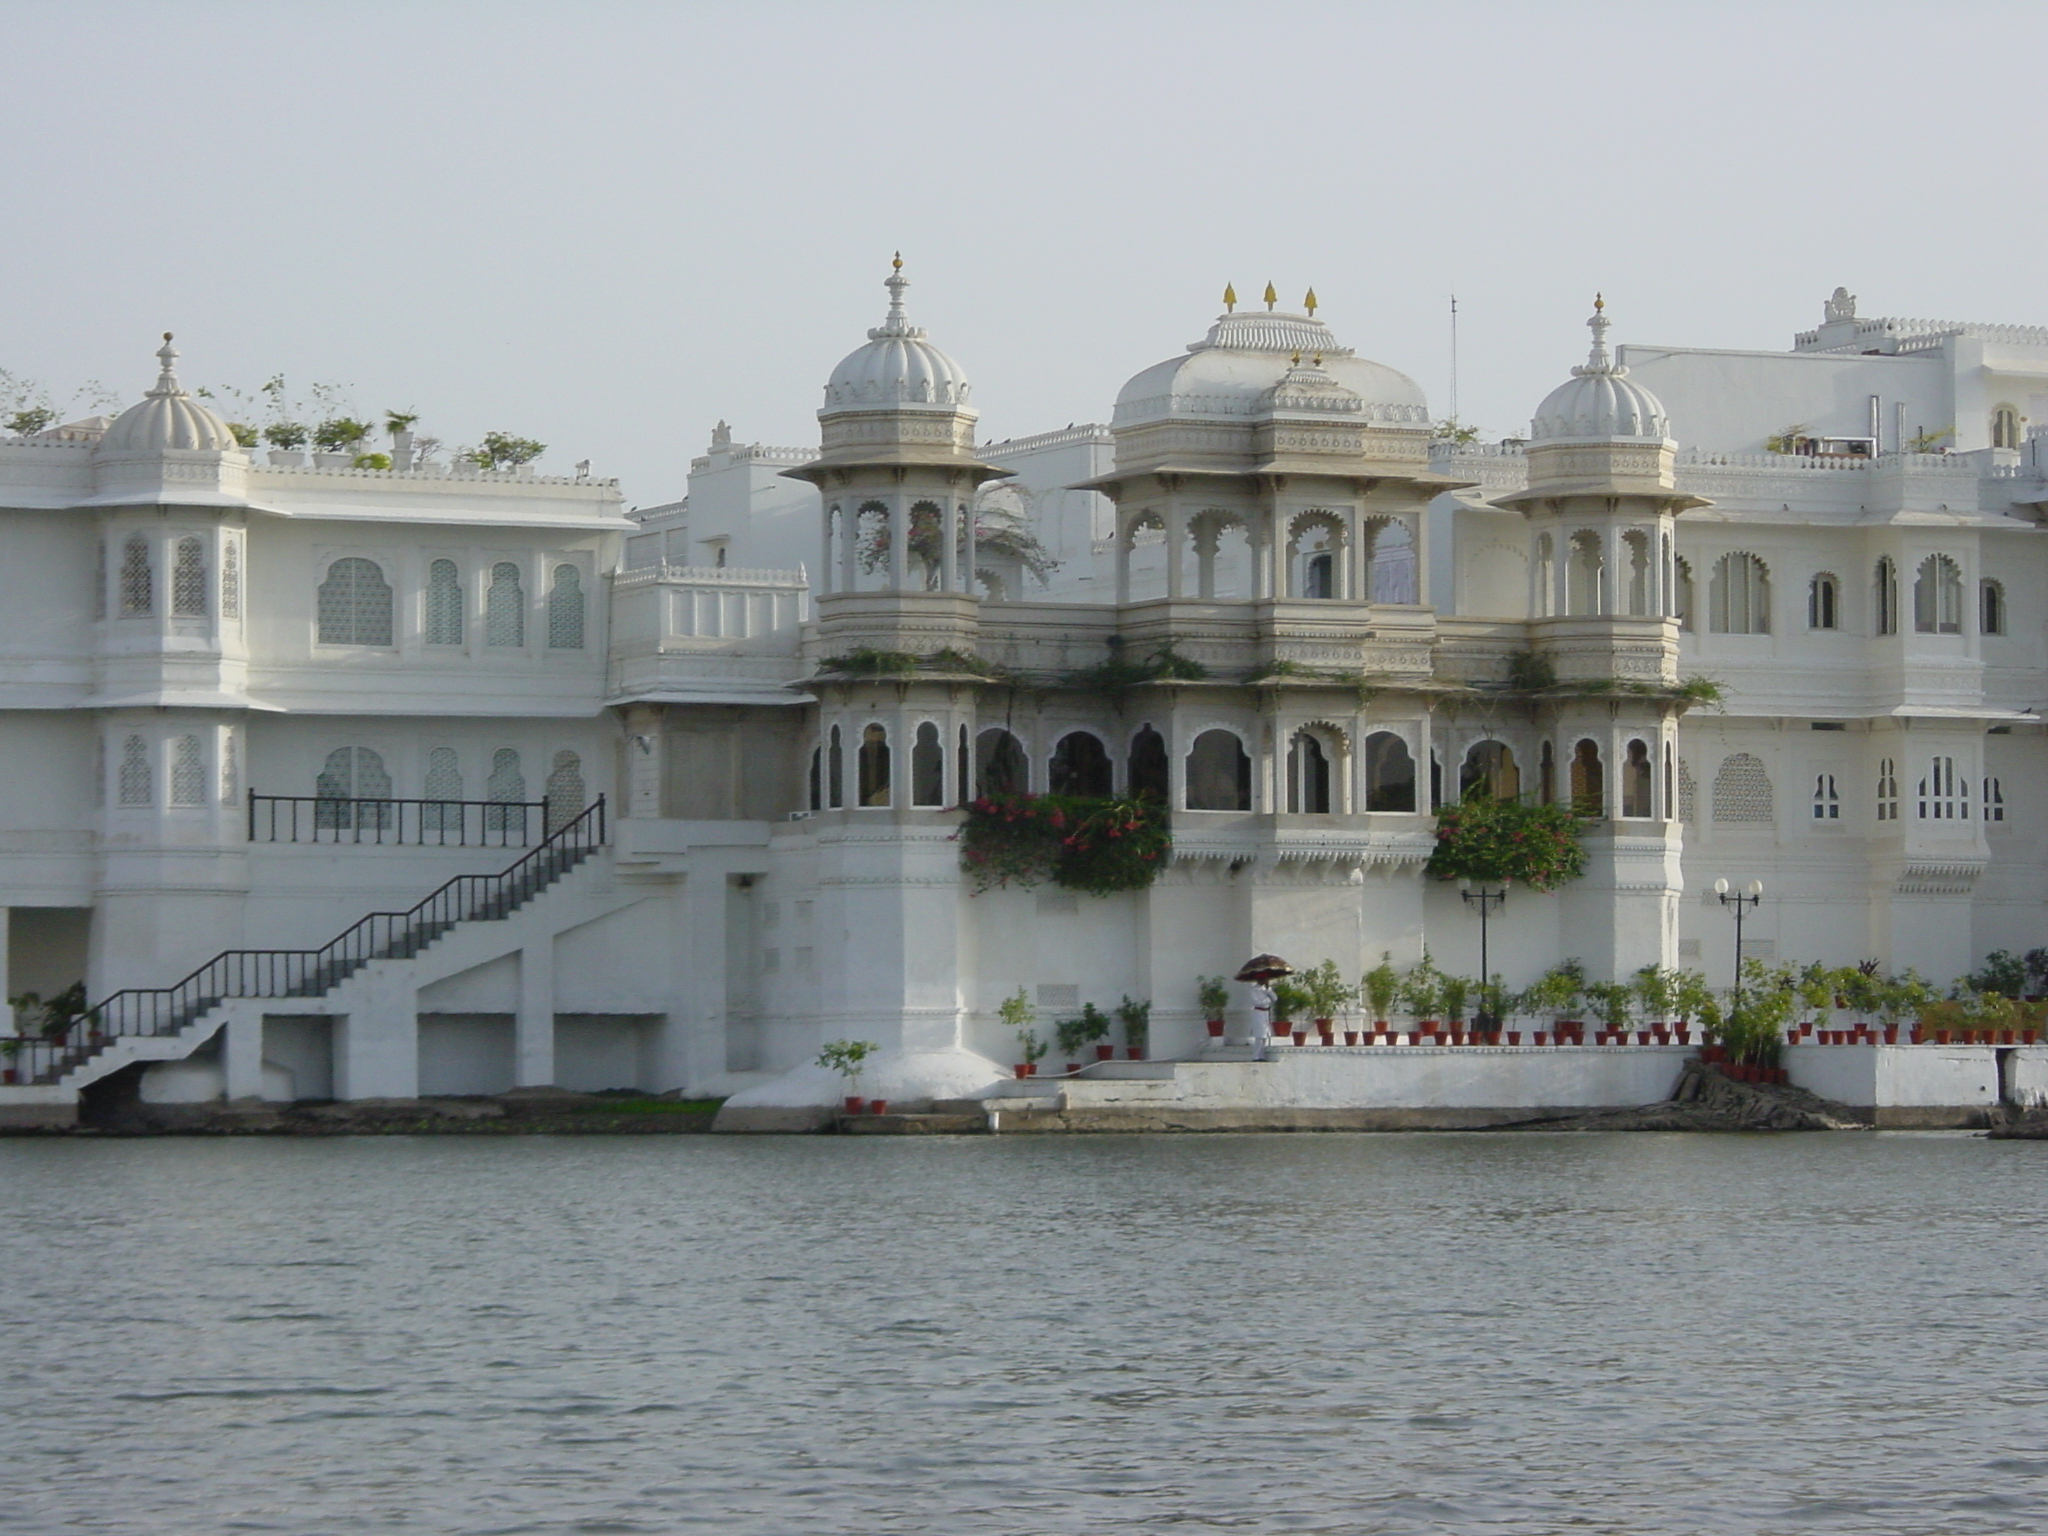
(1481, 838)
(1118, 673)
(1089, 843)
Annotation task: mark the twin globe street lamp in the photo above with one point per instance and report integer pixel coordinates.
(1485, 901)
(1741, 901)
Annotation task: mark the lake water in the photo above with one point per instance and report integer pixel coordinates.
(1442, 1333)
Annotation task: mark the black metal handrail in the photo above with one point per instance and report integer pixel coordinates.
(316, 972)
(417, 823)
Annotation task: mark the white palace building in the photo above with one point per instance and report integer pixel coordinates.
(336, 782)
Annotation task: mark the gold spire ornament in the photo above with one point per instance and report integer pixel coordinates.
(897, 264)
(1297, 359)
(1230, 298)
(1310, 301)
(1598, 303)
(1272, 296)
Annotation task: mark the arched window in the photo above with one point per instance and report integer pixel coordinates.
(1308, 776)
(835, 770)
(1938, 597)
(1742, 790)
(1638, 782)
(1681, 597)
(1670, 779)
(1821, 602)
(1991, 607)
(1739, 596)
(506, 789)
(1319, 575)
(873, 766)
(565, 610)
(1582, 574)
(565, 793)
(1994, 800)
(354, 605)
(1080, 765)
(2005, 427)
(927, 767)
(1000, 767)
(1147, 775)
(1546, 775)
(1827, 803)
(444, 782)
(1436, 780)
(871, 535)
(188, 772)
(1490, 769)
(1219, 773)
(963, 769)
(817, 778)
(1394, 566)
(1589, 781)
(1546, 577)
(188, 579)
(1944, 794)
(352, 775)
(137, 787)
(505, 607)
(1885, 596)
(138, 580)
(1638, 545)
(231, 578)
(1389, 773)
(1887, 790)
(444, 603)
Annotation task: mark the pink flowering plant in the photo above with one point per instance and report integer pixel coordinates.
(1082, 842)
(1481, 838)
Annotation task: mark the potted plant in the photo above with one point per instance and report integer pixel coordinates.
(1095, 1023)
(846, 1057)
(1612, 1001)
(1212, 993)
(1655, 995)
(1692, 1000)
(1018, 1016)
(337, 441)
(287, 439)
(1136, 1018)
(1456, 990)
(1072, 1037)
(1326, 995)
(1381, 988)
(1290, 1004)
(1556, 993)
(1422, 996)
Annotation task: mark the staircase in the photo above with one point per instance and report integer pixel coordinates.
(168, 1013)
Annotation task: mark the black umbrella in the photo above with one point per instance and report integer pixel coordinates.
(1264, 968)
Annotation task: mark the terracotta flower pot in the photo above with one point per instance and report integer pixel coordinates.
(1134, 1052)
(1891, 1034)
(1685, 1037)
(854, 1103)
(1105, 1053)
(1351, 1037)
(1791, 1037)
(1415, 1036)
(1215, 1029)
(1515, 1037)
(1073, 1067)
(1540, 1037)
(1941, 1037)
(1301, 1037)
(9, 1075)
(2005, 1037)
(878, 1106)
(1023, 1070)
(1642, 1037)
(2027, 1036)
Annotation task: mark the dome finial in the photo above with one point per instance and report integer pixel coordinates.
(1598, 361)
(167, 376)
(897, 323)
(1310, 303)
(1272, 296)
(1230, 298)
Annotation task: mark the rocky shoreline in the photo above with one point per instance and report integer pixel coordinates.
(522, 1112)
(1705, 1099)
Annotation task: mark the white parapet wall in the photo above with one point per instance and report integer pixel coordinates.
(1907, 1085)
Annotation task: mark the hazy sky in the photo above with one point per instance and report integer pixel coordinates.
(606, 225)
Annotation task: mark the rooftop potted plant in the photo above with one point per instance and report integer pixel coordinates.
(1136, 1017)
(847, 1057)
(338, 440)
(287, 439)
(1212, 993)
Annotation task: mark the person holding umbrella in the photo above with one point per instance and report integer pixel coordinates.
(1261, 971)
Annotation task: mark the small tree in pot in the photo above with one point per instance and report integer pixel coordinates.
(1325, 995)
(1422, 994)
(1136, 1018)
(1381, 988)
(1017, 1013)
(1457, 991)
(1290, 1005)
(846, 1057)
(1213, 995)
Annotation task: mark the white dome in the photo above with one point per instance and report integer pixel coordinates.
(1246, 367)
(1600, 400)
(167, 417)
(898, 369)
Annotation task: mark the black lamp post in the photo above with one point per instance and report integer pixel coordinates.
(1485, 901)
(1741, 901)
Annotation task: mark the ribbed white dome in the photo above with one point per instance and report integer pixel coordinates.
(898, 369)
(1600, 400)
(167, 417)
(1245, 365)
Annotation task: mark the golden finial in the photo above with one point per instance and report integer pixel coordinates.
(897, 264)
(1317, 360)
(1272, 296)
(1230, 298)
(1598, 303)
(167, 335)
(1310, 301)
(1297, 359)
